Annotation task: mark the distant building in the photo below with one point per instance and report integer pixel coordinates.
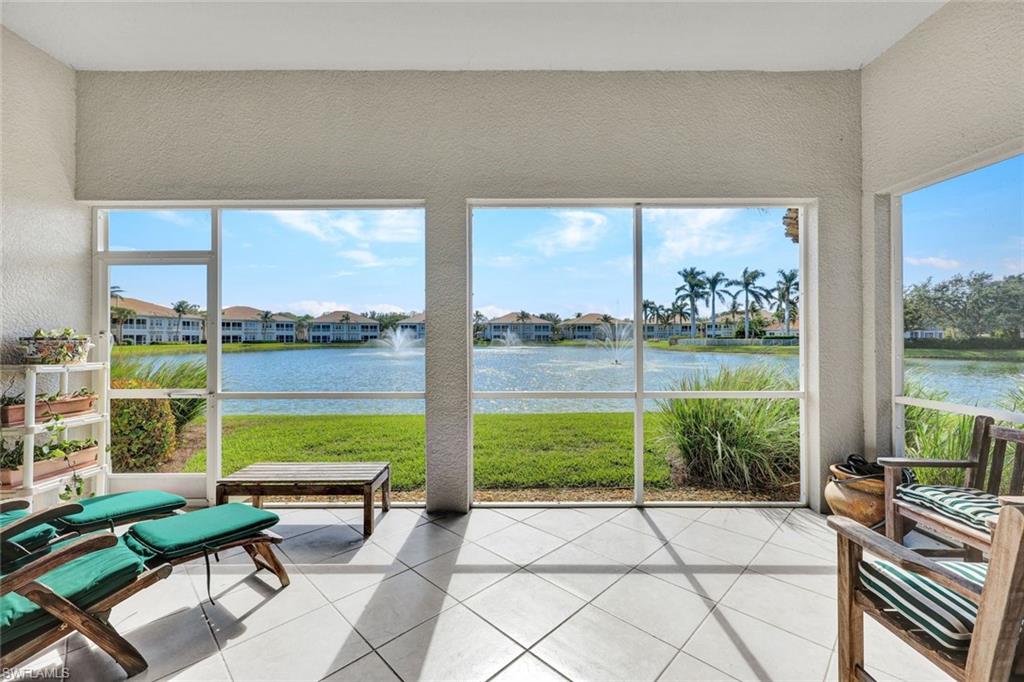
(778, 328)
(532, 328)
(342, 326)
(416, 324)
(929, 333)
(591, 327)
(154, 323)
(242, 324)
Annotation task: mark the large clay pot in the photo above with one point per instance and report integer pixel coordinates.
(14, 415)
(862, 500)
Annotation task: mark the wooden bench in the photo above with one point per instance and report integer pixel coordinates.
(286, 480)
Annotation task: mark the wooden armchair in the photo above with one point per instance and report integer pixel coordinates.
(961, 515)
(963, 617)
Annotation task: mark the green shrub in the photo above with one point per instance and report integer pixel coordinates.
(142, 432)
(154, 373)
(742, 444)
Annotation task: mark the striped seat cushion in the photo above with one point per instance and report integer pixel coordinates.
(965, 505)
(941, 613)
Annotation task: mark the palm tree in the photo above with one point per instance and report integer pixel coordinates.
(752, 292)
(715, 293)
(693, 289)
(116, 292)
(183, 308)
(522, 317)
(479, 323)
(650, 310)
(302, 325)
(787, 294)
(266, 317)
(119, 315)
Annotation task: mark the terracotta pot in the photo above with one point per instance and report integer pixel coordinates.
(49, 468)
(863, 500)
(14, 415)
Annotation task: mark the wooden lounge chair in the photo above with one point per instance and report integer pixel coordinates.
(70, 586)
(958, 514)
(963, 617)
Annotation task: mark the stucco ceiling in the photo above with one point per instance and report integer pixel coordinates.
(479, 35)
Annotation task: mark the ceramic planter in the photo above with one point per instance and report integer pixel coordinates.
(49, 468)
(71, 350)
(861, 500)
(14, 415)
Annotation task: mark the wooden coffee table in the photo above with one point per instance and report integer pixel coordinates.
(286, 480)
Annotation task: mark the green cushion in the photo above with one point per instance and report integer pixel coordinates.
(183, 534)
(99, 512)
(966, 505)
(83, 581)
(34, 537)
(939, 612)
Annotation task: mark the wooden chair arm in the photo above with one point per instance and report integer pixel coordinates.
(46, 563)
(1011, 500)
(926, 463)
(903, 557)
(13, 505)
(38, 518)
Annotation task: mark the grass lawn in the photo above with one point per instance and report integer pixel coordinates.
(577, 449)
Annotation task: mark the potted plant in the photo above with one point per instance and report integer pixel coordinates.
(12, 408)
(53, 458)
(55, 347)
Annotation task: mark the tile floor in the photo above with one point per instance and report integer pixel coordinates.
(538, 594)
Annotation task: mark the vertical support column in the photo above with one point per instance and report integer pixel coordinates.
(100, 379)
(638, 354)
(889, 213)
(29, 439)
(449, 354)
(213, 350)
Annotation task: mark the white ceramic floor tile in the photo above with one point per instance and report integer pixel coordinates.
(173, 594)
(344, 574)
(48, 664)
(791, 608)
(525, 607)
(749, 649)
(307, 648)
(298, 521)
(564, 523)
(207, 670)
(578, 570)
(396, 605)
(718, 542)
(369, 668)
(757, 523)
(797, 568)
(691, 570)
(806, 532)
(593, 645)
(517, 513)
(457, 645)
(321, 543)
(421, 543)
(620, 544)
(657, 607)
(465, 571)
(885, 652)
(657, 523)
(169, 645)
(520, 543)
(528, 668)
(476, 524)
(686, 668)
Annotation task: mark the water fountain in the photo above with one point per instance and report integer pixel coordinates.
(398, 340)
(617, 339)
(508, 340)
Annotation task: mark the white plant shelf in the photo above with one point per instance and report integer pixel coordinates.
(54, 369)
(50, 483)
(69, 422)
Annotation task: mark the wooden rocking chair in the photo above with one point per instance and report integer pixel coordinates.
(963, 617)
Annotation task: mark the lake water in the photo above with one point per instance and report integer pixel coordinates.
(536, 368)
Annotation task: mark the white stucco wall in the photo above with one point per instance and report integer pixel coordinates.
(45, 242)
(446, 137)
(950, 89)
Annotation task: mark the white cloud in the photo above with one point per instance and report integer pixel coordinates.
(314, 307)
(690, 232)
(937, 262)
(390, 225)
(341, 273)
(492, 311)
(364, 258)
(174, 217)
(384, 308)
(576, 231)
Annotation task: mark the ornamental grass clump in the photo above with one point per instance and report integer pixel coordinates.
(746, 444)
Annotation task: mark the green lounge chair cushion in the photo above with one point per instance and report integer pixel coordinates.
(966, 505)
(939, 612)
(32, 538)
(98, 512)
(183, 534)
(83, 581)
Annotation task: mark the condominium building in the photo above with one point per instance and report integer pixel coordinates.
(593, 326)
(518, 326)
(153, 323)
(242, 324)
(342, 326)
(415, 324)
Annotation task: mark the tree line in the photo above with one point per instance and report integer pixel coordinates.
(967, 306)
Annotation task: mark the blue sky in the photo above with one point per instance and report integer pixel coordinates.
(563, 260)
